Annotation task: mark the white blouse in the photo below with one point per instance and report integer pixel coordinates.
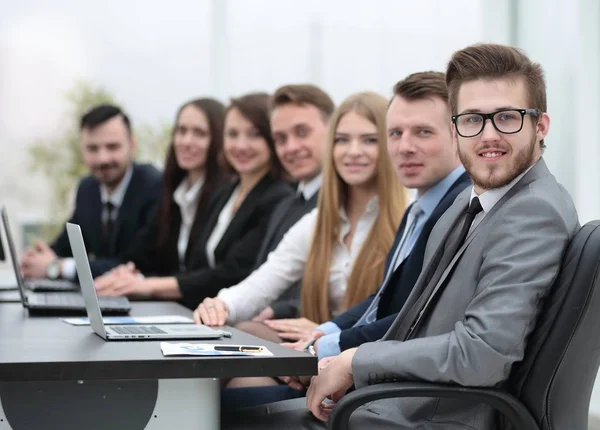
(223, 222)
(285, 266)
(187, 200)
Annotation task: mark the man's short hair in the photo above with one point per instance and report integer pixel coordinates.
(492, 61)
(422, 85)
(102, 113)
(303, 94)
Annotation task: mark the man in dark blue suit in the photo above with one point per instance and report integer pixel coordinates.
(113, 203)
(425, 159)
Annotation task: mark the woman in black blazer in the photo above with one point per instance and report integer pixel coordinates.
(191, 175)
(237, 217)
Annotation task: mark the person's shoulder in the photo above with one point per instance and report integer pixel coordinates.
(275, 189)
(543, 200)
(87, 182)
(148, 172)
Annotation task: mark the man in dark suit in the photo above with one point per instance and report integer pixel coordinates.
(424, 160)
(112, 205)
(299, 118)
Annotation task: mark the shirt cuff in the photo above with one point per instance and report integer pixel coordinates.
(68, 269)
(328, 345)
(328, 328)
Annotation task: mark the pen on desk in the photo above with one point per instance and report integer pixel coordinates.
(239, 348)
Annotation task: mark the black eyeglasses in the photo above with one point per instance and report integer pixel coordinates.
(506, 121)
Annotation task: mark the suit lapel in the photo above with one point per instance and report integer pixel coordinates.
(211, 221)
(95, 220)
(127, 207)
(247, 207)
(539, 170)
(435, 243)
(274, 222)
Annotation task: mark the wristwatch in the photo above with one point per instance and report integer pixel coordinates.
(310, 347)
(53, 269)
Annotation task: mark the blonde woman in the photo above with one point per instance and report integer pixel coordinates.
(338, 249)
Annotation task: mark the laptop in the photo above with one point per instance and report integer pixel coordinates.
(56, 302)
(42, 284)
(126, 332)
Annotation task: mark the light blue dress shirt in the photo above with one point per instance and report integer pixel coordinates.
(329, 344)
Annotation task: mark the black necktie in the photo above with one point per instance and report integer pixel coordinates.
(108, 226)
(435, 272)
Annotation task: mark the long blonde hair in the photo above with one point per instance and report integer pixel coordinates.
(367, 271)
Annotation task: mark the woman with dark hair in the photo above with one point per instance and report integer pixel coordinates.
(190, 177)
(238, 215)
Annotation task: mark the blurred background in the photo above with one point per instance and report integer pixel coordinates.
(150, 56)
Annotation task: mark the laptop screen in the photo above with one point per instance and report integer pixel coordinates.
(86, 280)
(2, 256)
(14, 258)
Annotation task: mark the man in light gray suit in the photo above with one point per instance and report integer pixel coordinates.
(489, 261)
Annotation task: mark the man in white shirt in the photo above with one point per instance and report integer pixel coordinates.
(299, 119)
(113, 204)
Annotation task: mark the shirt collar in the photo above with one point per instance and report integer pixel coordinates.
(372, 206)
(310, 188)
(117, 196)
(489, 198)
(432, 197)
(184, 196)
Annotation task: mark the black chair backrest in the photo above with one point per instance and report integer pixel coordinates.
(556, 378)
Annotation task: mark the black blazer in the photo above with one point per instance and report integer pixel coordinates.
(134, 215)
(286, 214)
(400, 283)
(235, 255)
(164, 261)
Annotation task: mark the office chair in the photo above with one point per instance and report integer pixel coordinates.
(551, 387)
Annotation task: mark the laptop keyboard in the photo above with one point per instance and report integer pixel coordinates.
(141, 329)
(50, 284)
(61, 299)
(75, 300)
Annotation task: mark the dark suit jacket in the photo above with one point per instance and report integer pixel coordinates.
(401, 282)
(235, 255)
(164, 261)
(134, 214)
(286, 214)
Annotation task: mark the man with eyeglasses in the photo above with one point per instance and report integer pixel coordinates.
(489, 262)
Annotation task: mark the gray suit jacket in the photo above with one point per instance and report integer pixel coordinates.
(478, 326)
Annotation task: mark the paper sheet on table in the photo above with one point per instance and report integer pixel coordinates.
(159, 319)
(7, 281)
(182, 348)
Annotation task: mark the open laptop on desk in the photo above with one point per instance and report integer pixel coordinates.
(125, 332)
(56, 302)
(37, 284)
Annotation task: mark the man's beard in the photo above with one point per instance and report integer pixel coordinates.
(521, 161)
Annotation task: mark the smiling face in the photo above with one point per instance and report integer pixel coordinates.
(244, 147)
(494, 159)
(191, 139)
(299, 132)
(419, 141)
(356, 150)
(108, 150)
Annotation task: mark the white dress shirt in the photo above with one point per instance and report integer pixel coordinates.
(187, 200)
(308, 189)
(489, 198)
(223, 222)
(285, 266)
(68, 269)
